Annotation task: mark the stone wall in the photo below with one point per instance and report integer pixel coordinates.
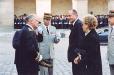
(10, 7)
(6, 12)
(43, 6)
(98, 7)
(24, 6)
(110, 4)
(81, 6)
(59, 7)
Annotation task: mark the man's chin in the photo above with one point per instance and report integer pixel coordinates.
(71, 21)
(110, 24)
(35, 27)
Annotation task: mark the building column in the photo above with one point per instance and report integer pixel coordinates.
(43, 6)
(110, 5)
(6, 12)
(81, 6)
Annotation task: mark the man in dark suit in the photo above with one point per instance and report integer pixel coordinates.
(28, 50)
(75, 39)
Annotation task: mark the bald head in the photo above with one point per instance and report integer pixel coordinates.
(73, 11)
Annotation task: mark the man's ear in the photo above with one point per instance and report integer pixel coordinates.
(31, 21)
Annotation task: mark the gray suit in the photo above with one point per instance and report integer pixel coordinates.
(46, 47)
(110, 52)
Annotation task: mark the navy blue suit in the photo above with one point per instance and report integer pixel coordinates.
(75, 40)
(26, 54)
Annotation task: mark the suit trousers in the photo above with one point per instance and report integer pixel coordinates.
(78, 69)
(22, 71)
(111, 69)
(45, 70)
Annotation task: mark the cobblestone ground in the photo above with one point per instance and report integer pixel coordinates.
(61, 65)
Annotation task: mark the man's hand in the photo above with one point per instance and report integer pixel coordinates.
(39, 57)
(77, 60)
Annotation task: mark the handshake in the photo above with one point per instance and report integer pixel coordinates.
(43, 62)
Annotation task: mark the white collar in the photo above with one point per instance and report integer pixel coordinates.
(87, 33)
(75, 21)
(30, 26)
(46, 26)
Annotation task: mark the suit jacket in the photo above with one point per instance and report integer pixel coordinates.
(46, 47)
(26, 54)
(75, 39)
(93, 57)
(110, 52)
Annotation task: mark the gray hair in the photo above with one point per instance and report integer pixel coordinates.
(29, 17)
(74, 12)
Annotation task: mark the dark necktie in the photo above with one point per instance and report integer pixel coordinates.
(111, 30)
(47, 30)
